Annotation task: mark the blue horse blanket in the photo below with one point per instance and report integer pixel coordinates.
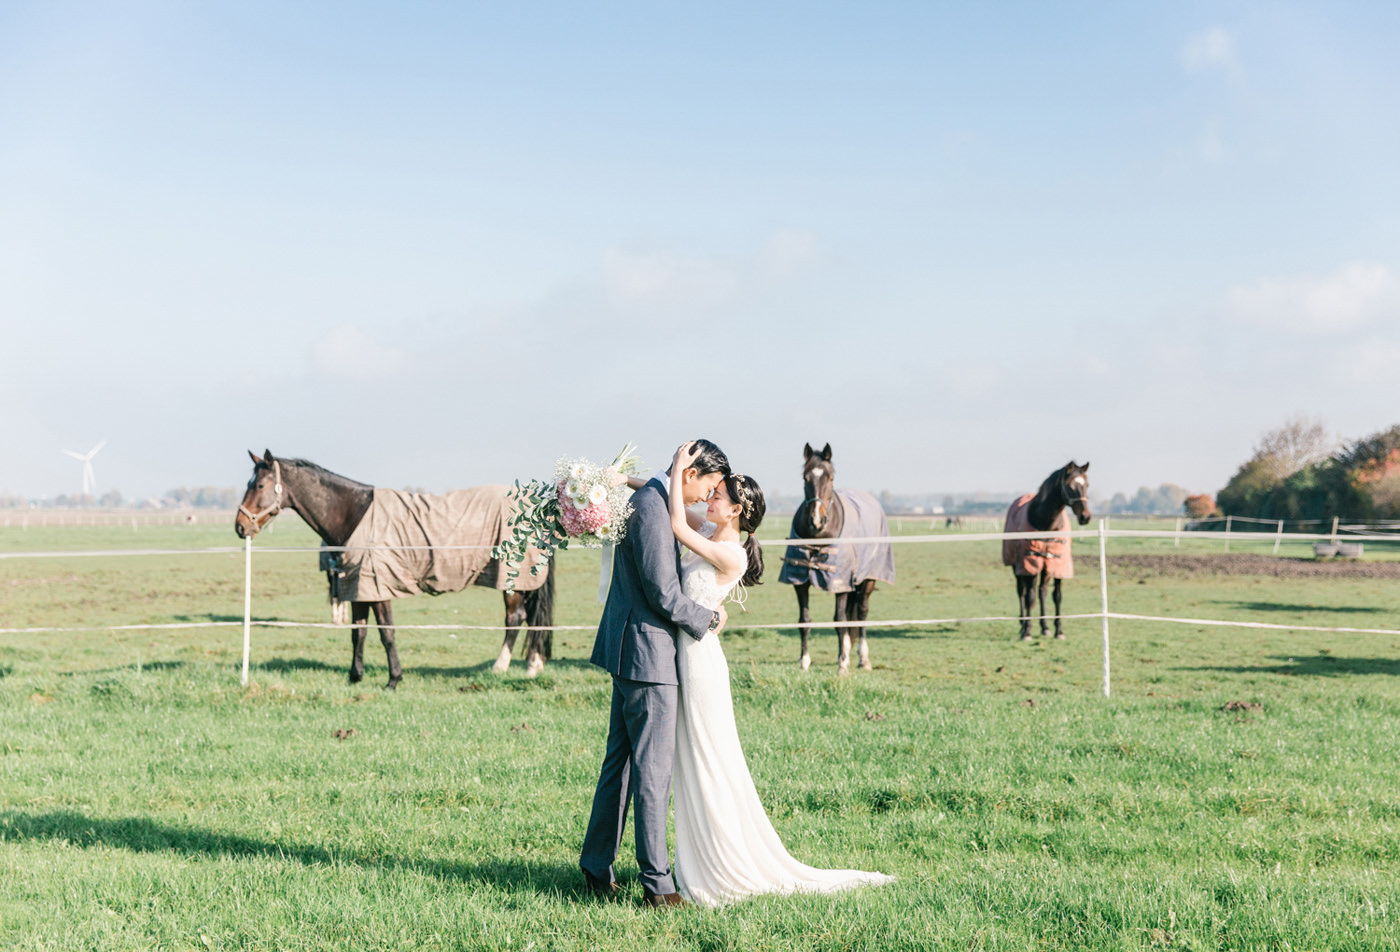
(840, 567)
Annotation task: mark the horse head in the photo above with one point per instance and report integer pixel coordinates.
(1074, 487)
(818, 489)
(264, 498)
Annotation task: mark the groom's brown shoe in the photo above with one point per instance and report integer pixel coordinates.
(600, 887)
(657, 900)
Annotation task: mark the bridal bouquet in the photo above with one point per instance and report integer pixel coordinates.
(585, 503)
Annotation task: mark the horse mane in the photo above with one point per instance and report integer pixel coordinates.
(316, 469)
(1043, 510)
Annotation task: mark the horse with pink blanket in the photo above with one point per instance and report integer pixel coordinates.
(1050, 558)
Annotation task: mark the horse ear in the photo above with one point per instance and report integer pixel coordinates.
(267, 455)
(254, 457)
(1085, 467)
(808, 452)
(826, 453)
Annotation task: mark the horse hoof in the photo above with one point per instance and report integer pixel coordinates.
(1027, 637)
(534, 668)
(805, 663)
(356, 678)
(866, 666)
(392, 686)
(500, 667)
(842, 670)
(1059, 636)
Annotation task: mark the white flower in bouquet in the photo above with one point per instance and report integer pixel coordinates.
(584, 503)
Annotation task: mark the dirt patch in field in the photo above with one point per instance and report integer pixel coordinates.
(1197, 565)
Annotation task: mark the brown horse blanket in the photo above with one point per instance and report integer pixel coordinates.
(841, 567)
(1029, 556)
(468, 517)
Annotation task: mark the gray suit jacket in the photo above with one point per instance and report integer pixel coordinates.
(646, 609)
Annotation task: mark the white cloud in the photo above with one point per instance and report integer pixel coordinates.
(346, 351)
(1210, 145)
(1209, 50)
(788, 253)
(665, 278)
(1375, 361)
(668, 280)
(1354, 294)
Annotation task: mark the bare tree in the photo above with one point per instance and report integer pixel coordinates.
(1299, 442)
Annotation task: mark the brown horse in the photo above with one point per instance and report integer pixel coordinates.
(848, 571)
(1045, 559)
(333, 506)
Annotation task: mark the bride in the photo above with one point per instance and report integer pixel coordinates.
(726, 848)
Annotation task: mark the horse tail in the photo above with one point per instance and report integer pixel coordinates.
(539, 612)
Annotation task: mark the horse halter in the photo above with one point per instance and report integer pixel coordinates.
(255, 518)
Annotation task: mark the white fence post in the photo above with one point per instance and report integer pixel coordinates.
(1279, 537)
(247, 602)
(1103, 593)
(1228, 520)
(1177, 543)
(1335, 520)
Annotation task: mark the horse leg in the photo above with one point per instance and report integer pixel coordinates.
(534, 647)
(538, 612)
(1025, 592)
(843, 634)
(1044, 578)
(384, 618)
(515, 614)
(805, 617)
(359, 611)
(1059, 633)
(861, 609)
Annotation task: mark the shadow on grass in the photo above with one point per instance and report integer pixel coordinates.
(1297, 608)
(1327, 666)
(143, 835)
(299, 664)
(484, 668)
(146, 667)
(820, 630)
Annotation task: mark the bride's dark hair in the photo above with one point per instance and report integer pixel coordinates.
(745, 492)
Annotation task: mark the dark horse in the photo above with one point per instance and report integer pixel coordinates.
(849, 571)
(333, 507)
(1045, 559)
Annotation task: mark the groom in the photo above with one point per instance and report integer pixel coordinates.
(645, 614)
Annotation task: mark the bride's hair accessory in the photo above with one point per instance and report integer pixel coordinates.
(745, 491)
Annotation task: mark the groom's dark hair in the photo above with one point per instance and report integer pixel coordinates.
(711, 459)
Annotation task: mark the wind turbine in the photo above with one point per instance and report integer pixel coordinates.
(89, 478)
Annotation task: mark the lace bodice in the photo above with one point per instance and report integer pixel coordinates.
(700, 582)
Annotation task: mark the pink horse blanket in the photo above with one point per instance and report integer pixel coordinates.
(1029, 556)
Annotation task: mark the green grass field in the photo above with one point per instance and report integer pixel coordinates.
(148, 801)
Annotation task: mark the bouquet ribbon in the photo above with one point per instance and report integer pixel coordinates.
(605, 573)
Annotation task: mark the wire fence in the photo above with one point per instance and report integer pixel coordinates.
(1101, 534)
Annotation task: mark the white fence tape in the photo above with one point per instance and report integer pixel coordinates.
(1102, 533)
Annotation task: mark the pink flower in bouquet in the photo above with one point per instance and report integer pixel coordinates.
(589, 519)
(578, 520)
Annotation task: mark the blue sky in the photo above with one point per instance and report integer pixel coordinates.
(442, 244)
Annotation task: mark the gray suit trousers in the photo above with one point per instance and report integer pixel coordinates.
(636, 766)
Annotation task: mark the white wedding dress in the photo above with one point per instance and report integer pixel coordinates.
(726, 848)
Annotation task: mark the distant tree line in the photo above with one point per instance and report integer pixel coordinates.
(1299, 472)
(201, 497)
(1166, 500)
